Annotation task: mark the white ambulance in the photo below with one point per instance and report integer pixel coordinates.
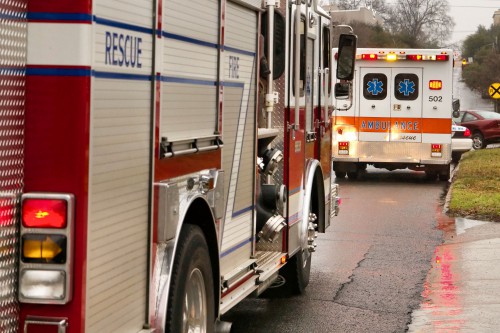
(397, 114)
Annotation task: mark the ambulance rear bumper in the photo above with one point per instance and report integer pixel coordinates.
(392, 152)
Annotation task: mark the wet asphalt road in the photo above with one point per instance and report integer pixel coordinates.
(369, 269)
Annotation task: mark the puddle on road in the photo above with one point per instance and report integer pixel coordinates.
(462, 224)
(462, 289)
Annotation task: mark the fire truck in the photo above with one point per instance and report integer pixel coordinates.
(398, 114)
(160, 160)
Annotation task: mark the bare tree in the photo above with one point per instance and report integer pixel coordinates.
(349, 4)
(421, 21)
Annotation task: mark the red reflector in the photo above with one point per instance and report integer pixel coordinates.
(371, 56)
(435, 84)
(44, 213)
(336, 56)
(467, 132)
(414, 57)
(442, 57)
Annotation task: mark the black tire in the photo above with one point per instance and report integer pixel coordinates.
(297, 273)
(340, 174)
(191, 279)
(444, 175)
(430, 175)
(353, 175)
(455, 156)
(478, 141)
(293, 280)
(444, 178)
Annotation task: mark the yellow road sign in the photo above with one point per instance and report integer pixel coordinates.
(494, 90)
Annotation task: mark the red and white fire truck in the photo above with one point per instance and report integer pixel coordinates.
(160, 160)
(398, 115)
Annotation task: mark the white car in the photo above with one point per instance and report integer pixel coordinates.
(461, 141)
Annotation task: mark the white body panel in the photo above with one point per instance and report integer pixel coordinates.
(59, 44)
(119, 168)
(239, 72)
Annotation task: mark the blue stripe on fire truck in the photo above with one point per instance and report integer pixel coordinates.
(236, 247)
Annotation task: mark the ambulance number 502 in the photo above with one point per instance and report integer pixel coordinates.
(435, 98)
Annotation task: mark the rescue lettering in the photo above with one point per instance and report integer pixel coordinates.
(123, 50)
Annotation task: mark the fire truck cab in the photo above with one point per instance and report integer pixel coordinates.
(397, 114)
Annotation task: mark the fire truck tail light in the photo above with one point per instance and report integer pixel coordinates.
(435, 84)
(42, 248)
(46, 248)
(42, 285)
(44, 213)
(442, 57)
(436, 150)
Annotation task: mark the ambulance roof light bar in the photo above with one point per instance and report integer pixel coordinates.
(393, 56)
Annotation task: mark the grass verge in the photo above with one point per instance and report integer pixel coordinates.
(475, 191)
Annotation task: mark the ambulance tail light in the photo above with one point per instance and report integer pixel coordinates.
(436, 150)
(343, 148)
(435, 84)
(414, 57)
(46, 248)
(370, 56)
(442, 57)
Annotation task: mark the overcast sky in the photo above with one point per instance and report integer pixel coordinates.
(468, 14)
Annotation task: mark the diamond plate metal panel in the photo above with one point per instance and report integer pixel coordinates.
(13, 33)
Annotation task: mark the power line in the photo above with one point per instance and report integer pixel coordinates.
(474, 7)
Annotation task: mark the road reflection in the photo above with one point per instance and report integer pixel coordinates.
(461, 290)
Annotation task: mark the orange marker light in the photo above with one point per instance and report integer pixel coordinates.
(435, 84)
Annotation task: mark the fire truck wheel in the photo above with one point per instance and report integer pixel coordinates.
(191, 298)
(297, 272)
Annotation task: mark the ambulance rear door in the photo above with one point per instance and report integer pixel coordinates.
(406, 105)
(390, 104)
(374, 104)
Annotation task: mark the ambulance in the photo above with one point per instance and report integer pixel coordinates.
(396, 115)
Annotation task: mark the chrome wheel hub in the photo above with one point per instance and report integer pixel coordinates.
(195, 304)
